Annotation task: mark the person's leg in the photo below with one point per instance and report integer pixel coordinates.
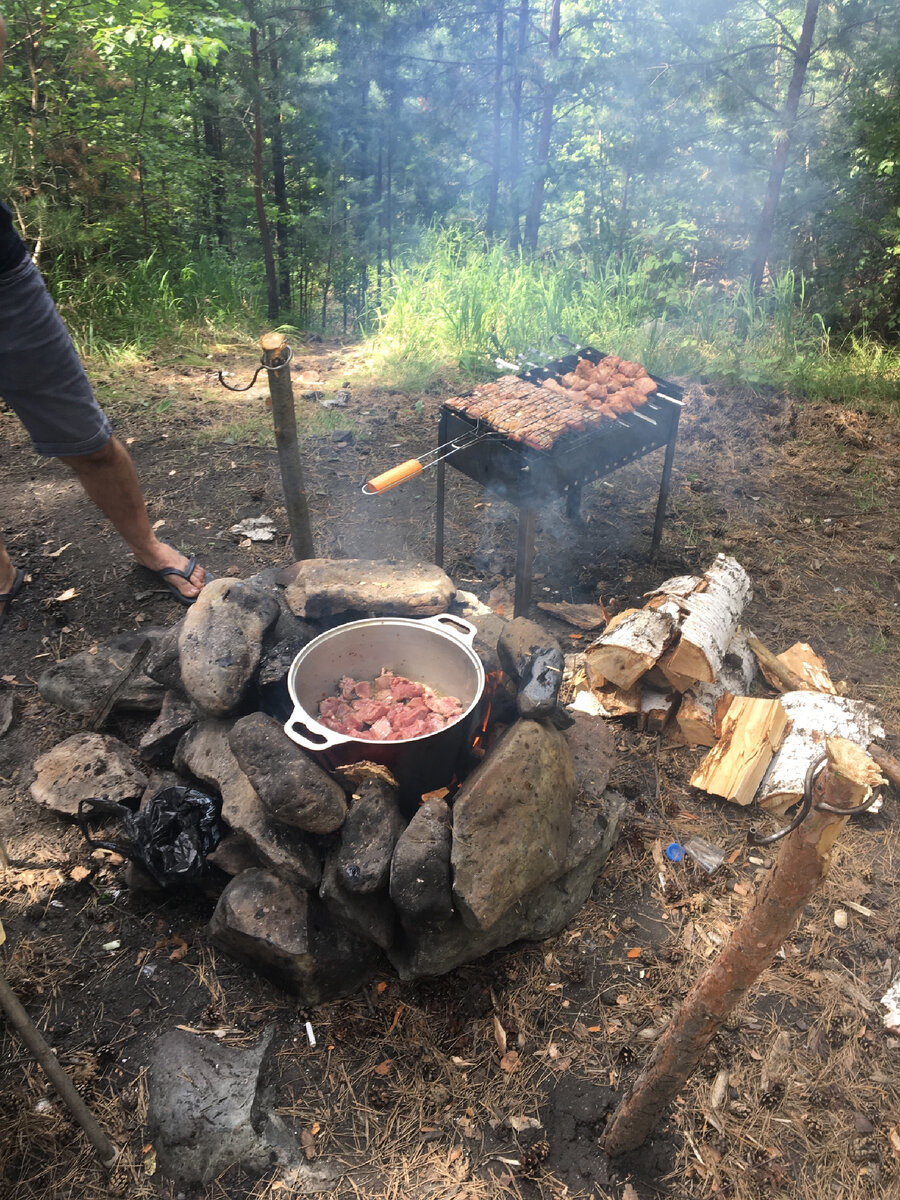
(109, 478)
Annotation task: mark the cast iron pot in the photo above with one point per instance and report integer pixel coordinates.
(436, 651)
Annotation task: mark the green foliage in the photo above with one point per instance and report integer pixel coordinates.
(116, 308)
(460, 305)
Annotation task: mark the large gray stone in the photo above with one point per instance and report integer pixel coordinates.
(77, 683)
(511, 822)
(421, 881)
(532, 657)
(540, 914)
(279, 658)
(204, 752)
(208, 1110)
(221, 642)
(292, 788)
(291, 936)
(593, 749)
(177, 715)
(371, 915)
(369, 836)
(323, 587)
(234, 854)
(86, 766)
(163, 663)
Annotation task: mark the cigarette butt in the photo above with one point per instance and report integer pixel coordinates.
(311, 1037)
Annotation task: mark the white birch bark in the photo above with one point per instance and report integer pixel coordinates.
(632, 648)
(815, 716)
(712, 620)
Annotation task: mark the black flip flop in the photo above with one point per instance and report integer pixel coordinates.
(6, 598)
(163, 576)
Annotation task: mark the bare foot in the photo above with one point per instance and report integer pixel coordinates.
(162, 555)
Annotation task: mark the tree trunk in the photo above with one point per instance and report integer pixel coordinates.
(212, 142)
(801, 866)
(762, 243)
(490, 224)
(279, 188)
(545, 130)
(265, 235)
(515, 124)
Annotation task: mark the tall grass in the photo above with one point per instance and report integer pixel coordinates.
(461, 303)
(117, 308)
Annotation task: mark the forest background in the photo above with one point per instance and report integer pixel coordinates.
(711, 186)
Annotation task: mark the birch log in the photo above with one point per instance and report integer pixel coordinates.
(656, 708)
(814, 717)
(752, 731)
(712, 620)
(623, 655)
(738, 671)
(702, 712)
(618, 702)
(704, 705)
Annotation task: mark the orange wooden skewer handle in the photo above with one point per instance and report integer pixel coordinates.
(390, 479)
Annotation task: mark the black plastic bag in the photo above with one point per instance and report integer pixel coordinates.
(169, 838)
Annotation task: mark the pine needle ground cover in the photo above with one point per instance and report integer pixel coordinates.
(405, 1093)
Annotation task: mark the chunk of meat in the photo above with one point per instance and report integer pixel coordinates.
(387, 709)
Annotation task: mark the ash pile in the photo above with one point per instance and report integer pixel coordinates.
(325, 877)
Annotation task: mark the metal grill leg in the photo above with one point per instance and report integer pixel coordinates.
(524, 562)
(664, 486)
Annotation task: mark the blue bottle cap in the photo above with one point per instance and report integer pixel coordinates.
(674, 852)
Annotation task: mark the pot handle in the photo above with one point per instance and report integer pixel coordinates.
(463, 630)
(298, 731)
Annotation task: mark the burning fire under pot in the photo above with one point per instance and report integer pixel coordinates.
(535, 436)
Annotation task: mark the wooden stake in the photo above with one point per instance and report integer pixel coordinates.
(284, 418)
(801, 866)
(31, 1036)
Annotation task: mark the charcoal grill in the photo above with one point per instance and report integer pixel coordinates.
(530, 478)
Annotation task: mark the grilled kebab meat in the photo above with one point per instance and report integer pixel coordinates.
(539, 414)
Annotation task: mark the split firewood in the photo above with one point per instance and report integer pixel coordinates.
(814, 717)
(779, 675)
(681, 683)
(752, 731)
(618, 702)
(808, 667)
(583, 616)
(702, 712)
(656, 709)
(803, 860)
(624, 652)
(739, 669)
(704, 705)
(711, 620)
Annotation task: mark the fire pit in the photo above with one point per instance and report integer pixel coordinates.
(349, 855)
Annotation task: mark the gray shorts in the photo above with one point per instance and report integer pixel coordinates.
(41, 376)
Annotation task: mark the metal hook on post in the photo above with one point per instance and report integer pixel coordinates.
(263, 366)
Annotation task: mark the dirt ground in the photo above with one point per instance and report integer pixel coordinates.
(404, 1087)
